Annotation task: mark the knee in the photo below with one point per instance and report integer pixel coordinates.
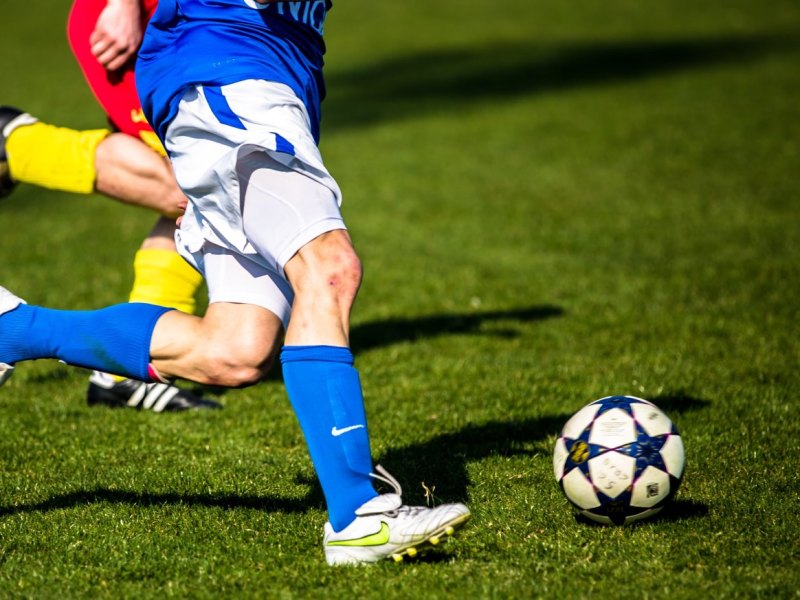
(343, 272)
(328, 266)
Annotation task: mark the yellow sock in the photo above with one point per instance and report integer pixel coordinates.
(54, 157)
(162, 277)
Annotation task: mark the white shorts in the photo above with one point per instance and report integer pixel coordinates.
(258, 190)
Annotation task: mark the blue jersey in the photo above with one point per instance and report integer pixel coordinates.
(217, 42)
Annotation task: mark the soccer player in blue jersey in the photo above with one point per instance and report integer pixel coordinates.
(233, 89)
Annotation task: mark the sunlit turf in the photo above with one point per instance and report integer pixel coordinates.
(553, 202)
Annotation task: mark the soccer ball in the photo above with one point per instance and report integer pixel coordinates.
(619, 459)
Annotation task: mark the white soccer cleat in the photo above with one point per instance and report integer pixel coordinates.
(6, 371)
(8, 302)
(385, 528)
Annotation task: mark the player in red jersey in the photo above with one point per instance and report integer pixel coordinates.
(125, 162)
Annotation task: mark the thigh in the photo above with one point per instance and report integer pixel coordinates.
(234, 278)
(283, 209)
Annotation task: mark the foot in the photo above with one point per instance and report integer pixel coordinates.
(158, 397)
(8, 302)
(385, 528)
(10, 119)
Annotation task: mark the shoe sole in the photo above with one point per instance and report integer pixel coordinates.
(435, 539)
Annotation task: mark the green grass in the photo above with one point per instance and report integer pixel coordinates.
(554, 202)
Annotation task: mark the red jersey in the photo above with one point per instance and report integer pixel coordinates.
(115, 90)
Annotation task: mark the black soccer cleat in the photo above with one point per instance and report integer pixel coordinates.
(10, 119)
(130, 393)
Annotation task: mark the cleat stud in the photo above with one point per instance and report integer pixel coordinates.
(434, 540)
(397, 558)
(412, 552)
(450, 531)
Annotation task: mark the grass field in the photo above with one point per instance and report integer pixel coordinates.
(553, 202)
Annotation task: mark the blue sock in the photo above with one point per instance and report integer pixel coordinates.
(325, 392)
(114, 339)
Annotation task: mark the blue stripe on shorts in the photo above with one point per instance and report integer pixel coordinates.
(220, 107)
(283, 145)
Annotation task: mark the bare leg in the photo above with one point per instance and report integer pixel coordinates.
(326, 275)
(233, 345)
(130, 171)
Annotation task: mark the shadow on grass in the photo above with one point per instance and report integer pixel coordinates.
(675, 510)
(681, 510)
(228, 501)
(679, 403)
(444, 80)
(386, 332)
(442, 460)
